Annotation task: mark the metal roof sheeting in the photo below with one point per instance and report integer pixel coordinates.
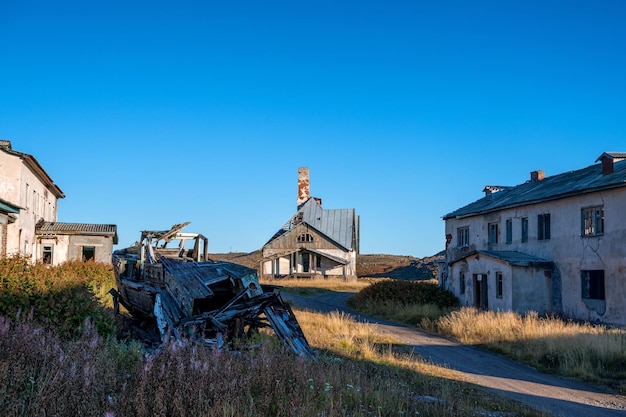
(550, 188)
(337, 224)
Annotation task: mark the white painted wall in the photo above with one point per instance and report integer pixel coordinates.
(21, 187)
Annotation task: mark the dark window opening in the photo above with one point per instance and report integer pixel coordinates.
(462, 283)
(543, 226)
(46, 256)
(524, 229)
(89, 253)
(318, 262)
(509, 231)
(593, 284)
(493, 233)
(498, 284)
(305, 237)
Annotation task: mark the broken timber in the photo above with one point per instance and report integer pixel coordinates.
(189, 296)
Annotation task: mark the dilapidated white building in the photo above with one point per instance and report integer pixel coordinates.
(555, 244)
(315, 242)
(28, 216)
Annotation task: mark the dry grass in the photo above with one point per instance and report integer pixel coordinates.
(590, 352)
(308, 286)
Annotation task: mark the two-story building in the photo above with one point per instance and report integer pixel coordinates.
(555, 244)
(28, 216)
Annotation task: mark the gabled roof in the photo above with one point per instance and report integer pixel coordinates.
(33, 165)
(568, 184)
(336, 224)
(58, 228)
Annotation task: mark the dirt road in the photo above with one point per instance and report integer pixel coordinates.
(548, 393)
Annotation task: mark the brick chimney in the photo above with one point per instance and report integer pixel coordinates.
(609, 159)
(304, 186)
(538, 175)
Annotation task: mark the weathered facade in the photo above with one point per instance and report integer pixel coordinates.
(28, 188)
(28, 216)
(315, 242)
(544, 245)
(59, 242)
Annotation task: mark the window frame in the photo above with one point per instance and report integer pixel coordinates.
(543, 226)
(592, 284)
(524, 226)
(462, 237)
(462, 283)
(47, 254)
(85, 249)
(499, 284)
(592, 221)
(509, 231)
(492, 233)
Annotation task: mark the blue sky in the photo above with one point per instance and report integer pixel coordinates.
(148, 114)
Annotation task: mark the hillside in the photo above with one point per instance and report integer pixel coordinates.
(370, 266)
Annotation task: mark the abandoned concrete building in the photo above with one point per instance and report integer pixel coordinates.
(554, 244)
(315, 242)
(28, 216)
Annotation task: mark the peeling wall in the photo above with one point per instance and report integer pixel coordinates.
(570, 251)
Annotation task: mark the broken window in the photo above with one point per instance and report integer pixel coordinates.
(592, 221)
(462, 236)
(89, 253)
(305, 237)
(543, 226)
(493, 233)
(592, 284)
(524, 229)
(498, 284)
(46, 255)
(509, 231)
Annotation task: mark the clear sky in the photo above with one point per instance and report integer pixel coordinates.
(148, 114)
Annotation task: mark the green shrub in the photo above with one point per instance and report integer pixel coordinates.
(61, 297)
(405, 292)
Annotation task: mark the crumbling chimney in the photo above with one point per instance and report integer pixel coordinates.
(304, 186)
(538, 175)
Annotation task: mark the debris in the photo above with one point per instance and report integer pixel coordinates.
(168, 278)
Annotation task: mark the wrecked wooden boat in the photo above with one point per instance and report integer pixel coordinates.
(168, 278)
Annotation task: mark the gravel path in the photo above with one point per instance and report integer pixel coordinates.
(555, 395)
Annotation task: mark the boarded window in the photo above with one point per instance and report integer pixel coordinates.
(592, 284)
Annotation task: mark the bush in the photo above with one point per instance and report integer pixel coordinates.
(405, 292)
(61, 297)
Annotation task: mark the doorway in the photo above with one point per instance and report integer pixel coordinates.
(481, 300)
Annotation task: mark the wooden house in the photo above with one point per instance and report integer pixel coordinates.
(315, 242)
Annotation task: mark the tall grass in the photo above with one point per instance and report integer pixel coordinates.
(42, 374)
(358, 371)
(583, 350)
